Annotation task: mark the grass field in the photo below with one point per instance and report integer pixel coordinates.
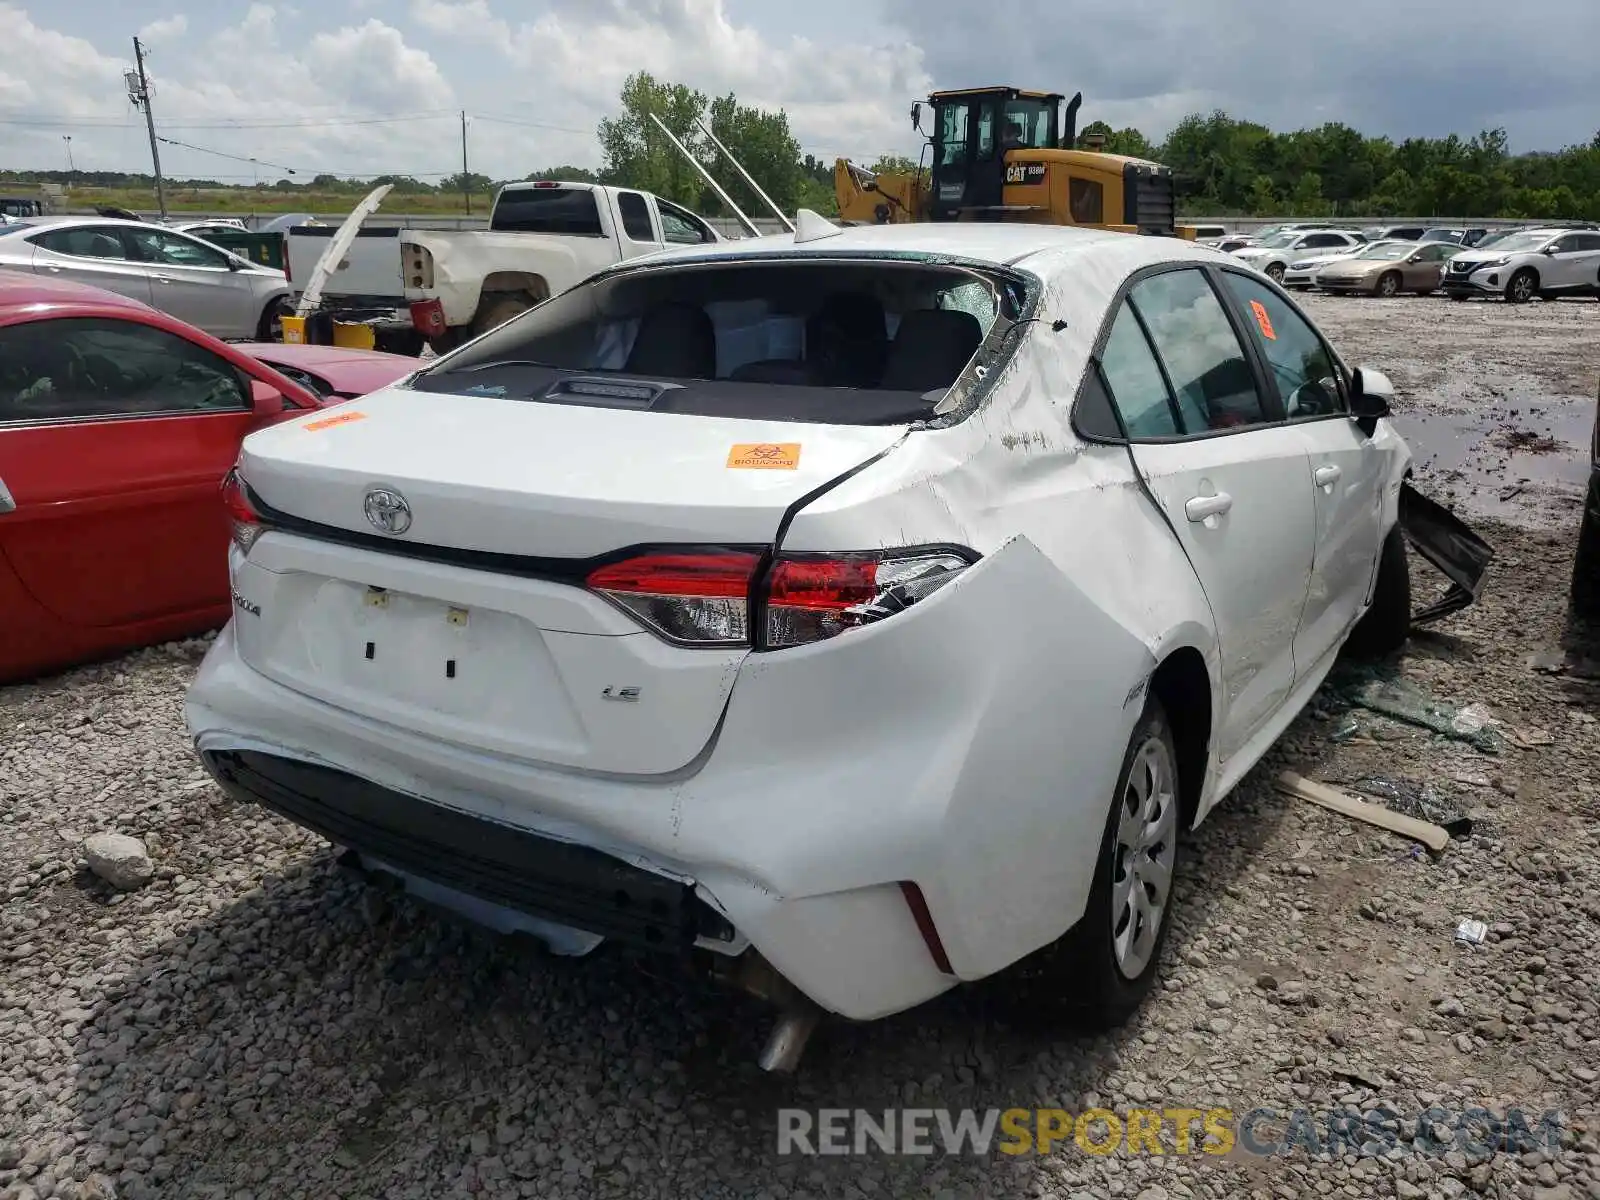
(248, 201)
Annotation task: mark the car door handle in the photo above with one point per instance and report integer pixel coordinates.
(7, 504)
(1327, 476)
(1198, 508)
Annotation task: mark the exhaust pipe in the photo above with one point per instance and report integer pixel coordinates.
(787, 1041)
(797, 1017)
(1069, 132)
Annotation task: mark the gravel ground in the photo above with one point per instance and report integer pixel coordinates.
(252, 1024)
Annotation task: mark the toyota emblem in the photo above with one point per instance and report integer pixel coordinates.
(388, 511)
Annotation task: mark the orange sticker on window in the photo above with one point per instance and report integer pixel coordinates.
(1263, 320)
(765, 456)
(330, 422)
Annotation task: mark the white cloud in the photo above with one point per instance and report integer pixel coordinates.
(166, 29)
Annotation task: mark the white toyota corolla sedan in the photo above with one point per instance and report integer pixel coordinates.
(863, 609)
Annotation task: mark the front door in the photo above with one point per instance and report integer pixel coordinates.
(114, 439)
(1347, 471)
(969, 168)
(194, 282)
(1233, 484)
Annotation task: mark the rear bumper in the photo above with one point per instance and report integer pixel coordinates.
(938, 749)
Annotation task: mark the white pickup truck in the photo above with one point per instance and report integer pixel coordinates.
(451, 285)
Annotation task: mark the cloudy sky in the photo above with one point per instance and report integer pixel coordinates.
(374, 86)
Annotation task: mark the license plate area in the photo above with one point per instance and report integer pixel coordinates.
(483, 674)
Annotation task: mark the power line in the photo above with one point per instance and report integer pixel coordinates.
(222, 153)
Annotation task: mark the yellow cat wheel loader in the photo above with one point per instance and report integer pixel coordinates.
(1006, 154)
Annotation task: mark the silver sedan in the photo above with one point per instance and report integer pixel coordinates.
(227, 296)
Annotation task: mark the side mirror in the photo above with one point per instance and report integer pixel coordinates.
(1371, 398)
(916, 116)
(266, 400)
(1551, 251)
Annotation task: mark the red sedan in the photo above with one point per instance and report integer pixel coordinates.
(117, 424)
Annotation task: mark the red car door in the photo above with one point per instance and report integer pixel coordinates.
(115, 433)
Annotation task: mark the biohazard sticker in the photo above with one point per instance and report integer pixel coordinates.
(330, 422)
(764, 456)
(1263, 320)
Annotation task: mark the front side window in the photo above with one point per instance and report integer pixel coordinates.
(1214, 381)
(80, 368)
(682, 229)
(635, 217)
(1304, 371)
(986, 131)
(173, 250)
(84, 242)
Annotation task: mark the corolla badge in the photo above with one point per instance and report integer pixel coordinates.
(388, 511)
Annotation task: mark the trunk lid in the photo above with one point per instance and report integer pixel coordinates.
(549, 480)
(527, 664)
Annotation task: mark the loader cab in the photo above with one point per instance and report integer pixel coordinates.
(972, 132)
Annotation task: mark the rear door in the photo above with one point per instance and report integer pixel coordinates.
(1587, 259)
(194, 282)
(92, 254)
(640, 232)
(1347, 470)
(114, 438)
(1233, 482)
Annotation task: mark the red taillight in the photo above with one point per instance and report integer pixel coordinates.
(427, 318)
(705, 598)
(695, 598)
(246, 521)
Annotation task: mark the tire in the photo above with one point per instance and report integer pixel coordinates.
(1586, 564)
(1275, 272)
(270, 327)
(1522, 286)
(1099, 983)
(1384, 627)
(1388, 285)
(495, 309)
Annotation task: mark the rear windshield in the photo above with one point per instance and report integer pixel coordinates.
(842, 342)
(570, 211)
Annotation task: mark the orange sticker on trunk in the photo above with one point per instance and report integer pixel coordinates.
(330, 422)
(765, 456)
(1263, 320)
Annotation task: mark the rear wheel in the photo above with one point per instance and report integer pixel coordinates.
(1524, 285)
(1389, 284)
(497, 309)
(270, 327)
(1387, 623)
(1108, 961)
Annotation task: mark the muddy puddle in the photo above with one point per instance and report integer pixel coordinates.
(1522, 462)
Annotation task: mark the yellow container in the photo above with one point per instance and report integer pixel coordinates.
(353, 336)
(294, 331)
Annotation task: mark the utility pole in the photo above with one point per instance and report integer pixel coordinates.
(141, 99)
(67, 138)
(466, 181)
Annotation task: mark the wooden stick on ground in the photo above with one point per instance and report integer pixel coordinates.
(1430, 835)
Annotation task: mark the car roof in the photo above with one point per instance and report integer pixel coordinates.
(20, 289)
(91, 219)
(986, 242)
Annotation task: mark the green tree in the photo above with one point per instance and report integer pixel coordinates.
(1307, 199)
(764, 146)
(634, 152)
(564, 175)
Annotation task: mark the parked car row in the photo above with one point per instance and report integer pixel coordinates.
(169, 269)
(117, 424)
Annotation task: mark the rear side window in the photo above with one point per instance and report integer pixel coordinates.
(635, 217)
(839, 342)
(87, 242)
(570, 211)
(1134, 379)
(79, 368)
(1214, 381)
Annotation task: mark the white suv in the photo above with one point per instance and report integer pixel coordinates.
(1534, 262)
(1273, 255)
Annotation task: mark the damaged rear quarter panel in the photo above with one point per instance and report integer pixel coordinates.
(1085, 591)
